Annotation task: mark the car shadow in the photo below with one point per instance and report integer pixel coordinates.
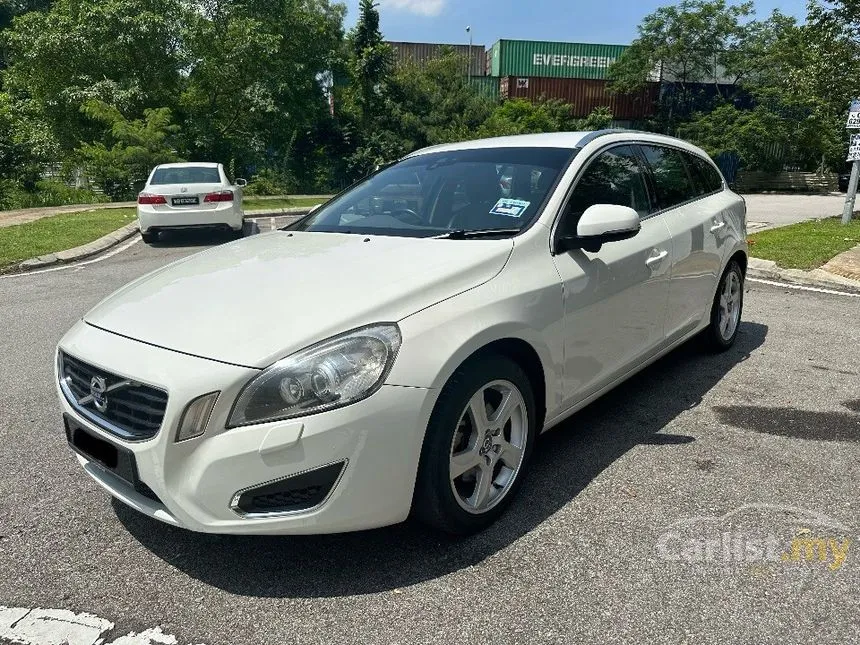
(191, 238)
(565, 461)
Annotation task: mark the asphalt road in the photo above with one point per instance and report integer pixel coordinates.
(773, 210)
(626, 530)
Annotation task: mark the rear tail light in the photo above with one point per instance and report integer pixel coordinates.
(223, 196)
(148, 198)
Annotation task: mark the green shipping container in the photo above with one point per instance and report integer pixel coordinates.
(487, 86)
(554, 60)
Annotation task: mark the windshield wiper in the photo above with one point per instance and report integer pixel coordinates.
(465, 234)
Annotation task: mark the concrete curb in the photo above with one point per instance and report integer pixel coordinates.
(818, 278)
(79, 252)
(121, 235)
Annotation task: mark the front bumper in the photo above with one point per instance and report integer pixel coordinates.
(196, 481)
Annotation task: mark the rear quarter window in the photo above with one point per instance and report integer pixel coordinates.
(706, 178)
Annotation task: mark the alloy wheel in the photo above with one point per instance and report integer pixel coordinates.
(730, 305)
(488, 446)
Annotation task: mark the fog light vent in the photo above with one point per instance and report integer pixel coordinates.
(293, 494)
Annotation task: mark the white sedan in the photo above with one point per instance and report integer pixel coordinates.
(398, 350)
(187, 196)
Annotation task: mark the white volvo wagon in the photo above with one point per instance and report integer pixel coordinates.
(397, 351)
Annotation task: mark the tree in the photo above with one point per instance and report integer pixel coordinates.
(133, 147)
(25, 142)
(370, 63)
(686, 44)
(253, 76)
(121, 52)
(435, 103)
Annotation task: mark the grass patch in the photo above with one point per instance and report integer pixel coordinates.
(806, 245)
(257, 204)
(59, 233)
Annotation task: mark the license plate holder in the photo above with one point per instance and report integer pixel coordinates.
(108, 456)
(185, 201)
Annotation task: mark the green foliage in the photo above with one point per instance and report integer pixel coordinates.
(519, 116)
(267, 182)
(25, 144)
(121, 52)
(108, 83)
(370, 62)
(685, 42)
(46, 193)
(757, 136)
(435, 103)
(120, 166)
(252, 75)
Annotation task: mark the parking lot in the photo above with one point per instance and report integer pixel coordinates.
(759, 444)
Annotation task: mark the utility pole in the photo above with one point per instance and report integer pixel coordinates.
(851, 195)
(854, 157)
(469, 69)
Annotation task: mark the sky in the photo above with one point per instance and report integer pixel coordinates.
(590, 21)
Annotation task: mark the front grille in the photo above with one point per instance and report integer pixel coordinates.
(134, 411)
(300, 492)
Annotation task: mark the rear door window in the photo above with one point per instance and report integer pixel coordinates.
(671, 180)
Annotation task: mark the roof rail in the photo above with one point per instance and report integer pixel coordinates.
(591, 136)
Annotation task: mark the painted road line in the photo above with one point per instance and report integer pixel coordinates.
(36, 626)
(75, 265)
(799, 287)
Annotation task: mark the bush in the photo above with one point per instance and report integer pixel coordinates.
(47, 193)
(268, 182)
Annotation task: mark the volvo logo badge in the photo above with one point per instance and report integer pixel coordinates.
(98, 389)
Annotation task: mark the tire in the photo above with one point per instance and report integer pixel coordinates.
(718, 337)
(149, 238)
(442, 502)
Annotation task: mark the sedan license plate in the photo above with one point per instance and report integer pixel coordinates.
(185, 201)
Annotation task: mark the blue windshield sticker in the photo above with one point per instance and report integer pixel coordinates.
(510, 207)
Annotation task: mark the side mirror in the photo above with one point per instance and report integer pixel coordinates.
(600, 224)
(241, 182)
(313, 208)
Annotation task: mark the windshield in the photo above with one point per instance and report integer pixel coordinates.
(185, 175)
(439, 192)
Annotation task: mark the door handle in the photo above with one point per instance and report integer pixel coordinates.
(717, 227)
(656, 259)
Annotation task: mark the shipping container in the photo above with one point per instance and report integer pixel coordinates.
(420, 53)
(549, 59)
(585, 95)
(487, 86)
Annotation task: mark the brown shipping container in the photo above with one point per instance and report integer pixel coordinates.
(419, 53)
(584, 95)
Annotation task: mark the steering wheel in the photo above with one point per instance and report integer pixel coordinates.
(407, 216)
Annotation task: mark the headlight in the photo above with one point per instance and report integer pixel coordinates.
(330, 374)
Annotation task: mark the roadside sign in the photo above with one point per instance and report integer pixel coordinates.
(854, 114)
(854, 148)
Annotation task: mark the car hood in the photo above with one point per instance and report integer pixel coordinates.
(257, 300)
